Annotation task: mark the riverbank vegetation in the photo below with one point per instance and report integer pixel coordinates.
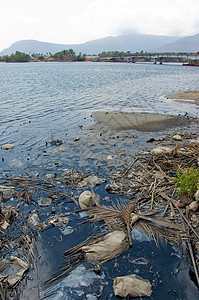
(110, 56)
(65, 55)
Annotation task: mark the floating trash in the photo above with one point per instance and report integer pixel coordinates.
(7, 146)
(132, 286)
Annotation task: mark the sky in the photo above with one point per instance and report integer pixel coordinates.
(78, 21)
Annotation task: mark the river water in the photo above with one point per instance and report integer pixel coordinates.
(42, 103)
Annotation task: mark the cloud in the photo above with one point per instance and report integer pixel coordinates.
(29, 19)
(79, 21)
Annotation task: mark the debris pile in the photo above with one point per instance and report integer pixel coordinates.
(154, 206)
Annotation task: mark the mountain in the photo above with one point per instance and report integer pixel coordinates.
(186, 44)
(133, 43)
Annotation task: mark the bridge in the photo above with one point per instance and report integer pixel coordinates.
(155, 57)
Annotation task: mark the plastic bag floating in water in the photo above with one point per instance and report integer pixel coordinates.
(132, 286)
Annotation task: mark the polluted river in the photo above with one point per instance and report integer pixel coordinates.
(92, 157)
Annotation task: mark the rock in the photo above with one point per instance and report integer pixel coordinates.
(109, 188)
(161, 150)
(181, 204)
(144, 152)
(131, 286)
(44, 201)
(87, 199)
(184, 200)
(7, 146)
(193, 206)
(177, 137)
(196, 195)
(51, 176)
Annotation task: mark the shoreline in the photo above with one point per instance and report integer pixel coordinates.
(191, 97)
(148, 122)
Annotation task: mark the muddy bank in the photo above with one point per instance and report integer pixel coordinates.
(138, 121)
(189, 97)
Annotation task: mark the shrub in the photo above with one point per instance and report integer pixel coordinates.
(187, 181)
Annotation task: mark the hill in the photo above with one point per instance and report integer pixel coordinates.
(133, 43)
(186, 44)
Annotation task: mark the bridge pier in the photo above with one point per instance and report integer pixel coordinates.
(155, 61)
(161, 60)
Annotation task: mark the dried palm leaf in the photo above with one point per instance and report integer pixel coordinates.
(157, 232)
(110, 214)
(74, 256)
(161, 221)
(68, 267)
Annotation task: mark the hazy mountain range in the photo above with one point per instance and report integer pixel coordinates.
(133, 43)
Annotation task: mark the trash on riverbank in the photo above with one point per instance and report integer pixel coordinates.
(152, 208)
(88, 199)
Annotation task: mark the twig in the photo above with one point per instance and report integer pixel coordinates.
(181, 214)
(172, 210)
(56, 193)
(164, 212)
(152, 194)
(191, 252)
(130, 167)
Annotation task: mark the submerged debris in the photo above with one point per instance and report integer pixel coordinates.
(13, 270)
(91, 180)
(44, 201)
(7, 191)
(57, 220)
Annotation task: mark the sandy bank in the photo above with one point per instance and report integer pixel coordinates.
(137, 121)
(189, 97)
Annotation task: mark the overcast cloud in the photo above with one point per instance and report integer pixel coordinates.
(68, 22)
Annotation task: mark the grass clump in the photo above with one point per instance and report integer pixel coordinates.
(187, 181)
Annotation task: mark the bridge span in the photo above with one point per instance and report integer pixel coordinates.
(151, 56)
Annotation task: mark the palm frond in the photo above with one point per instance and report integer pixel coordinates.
(157, 232)
(109, 214)
(161, 221)
(67, 268)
